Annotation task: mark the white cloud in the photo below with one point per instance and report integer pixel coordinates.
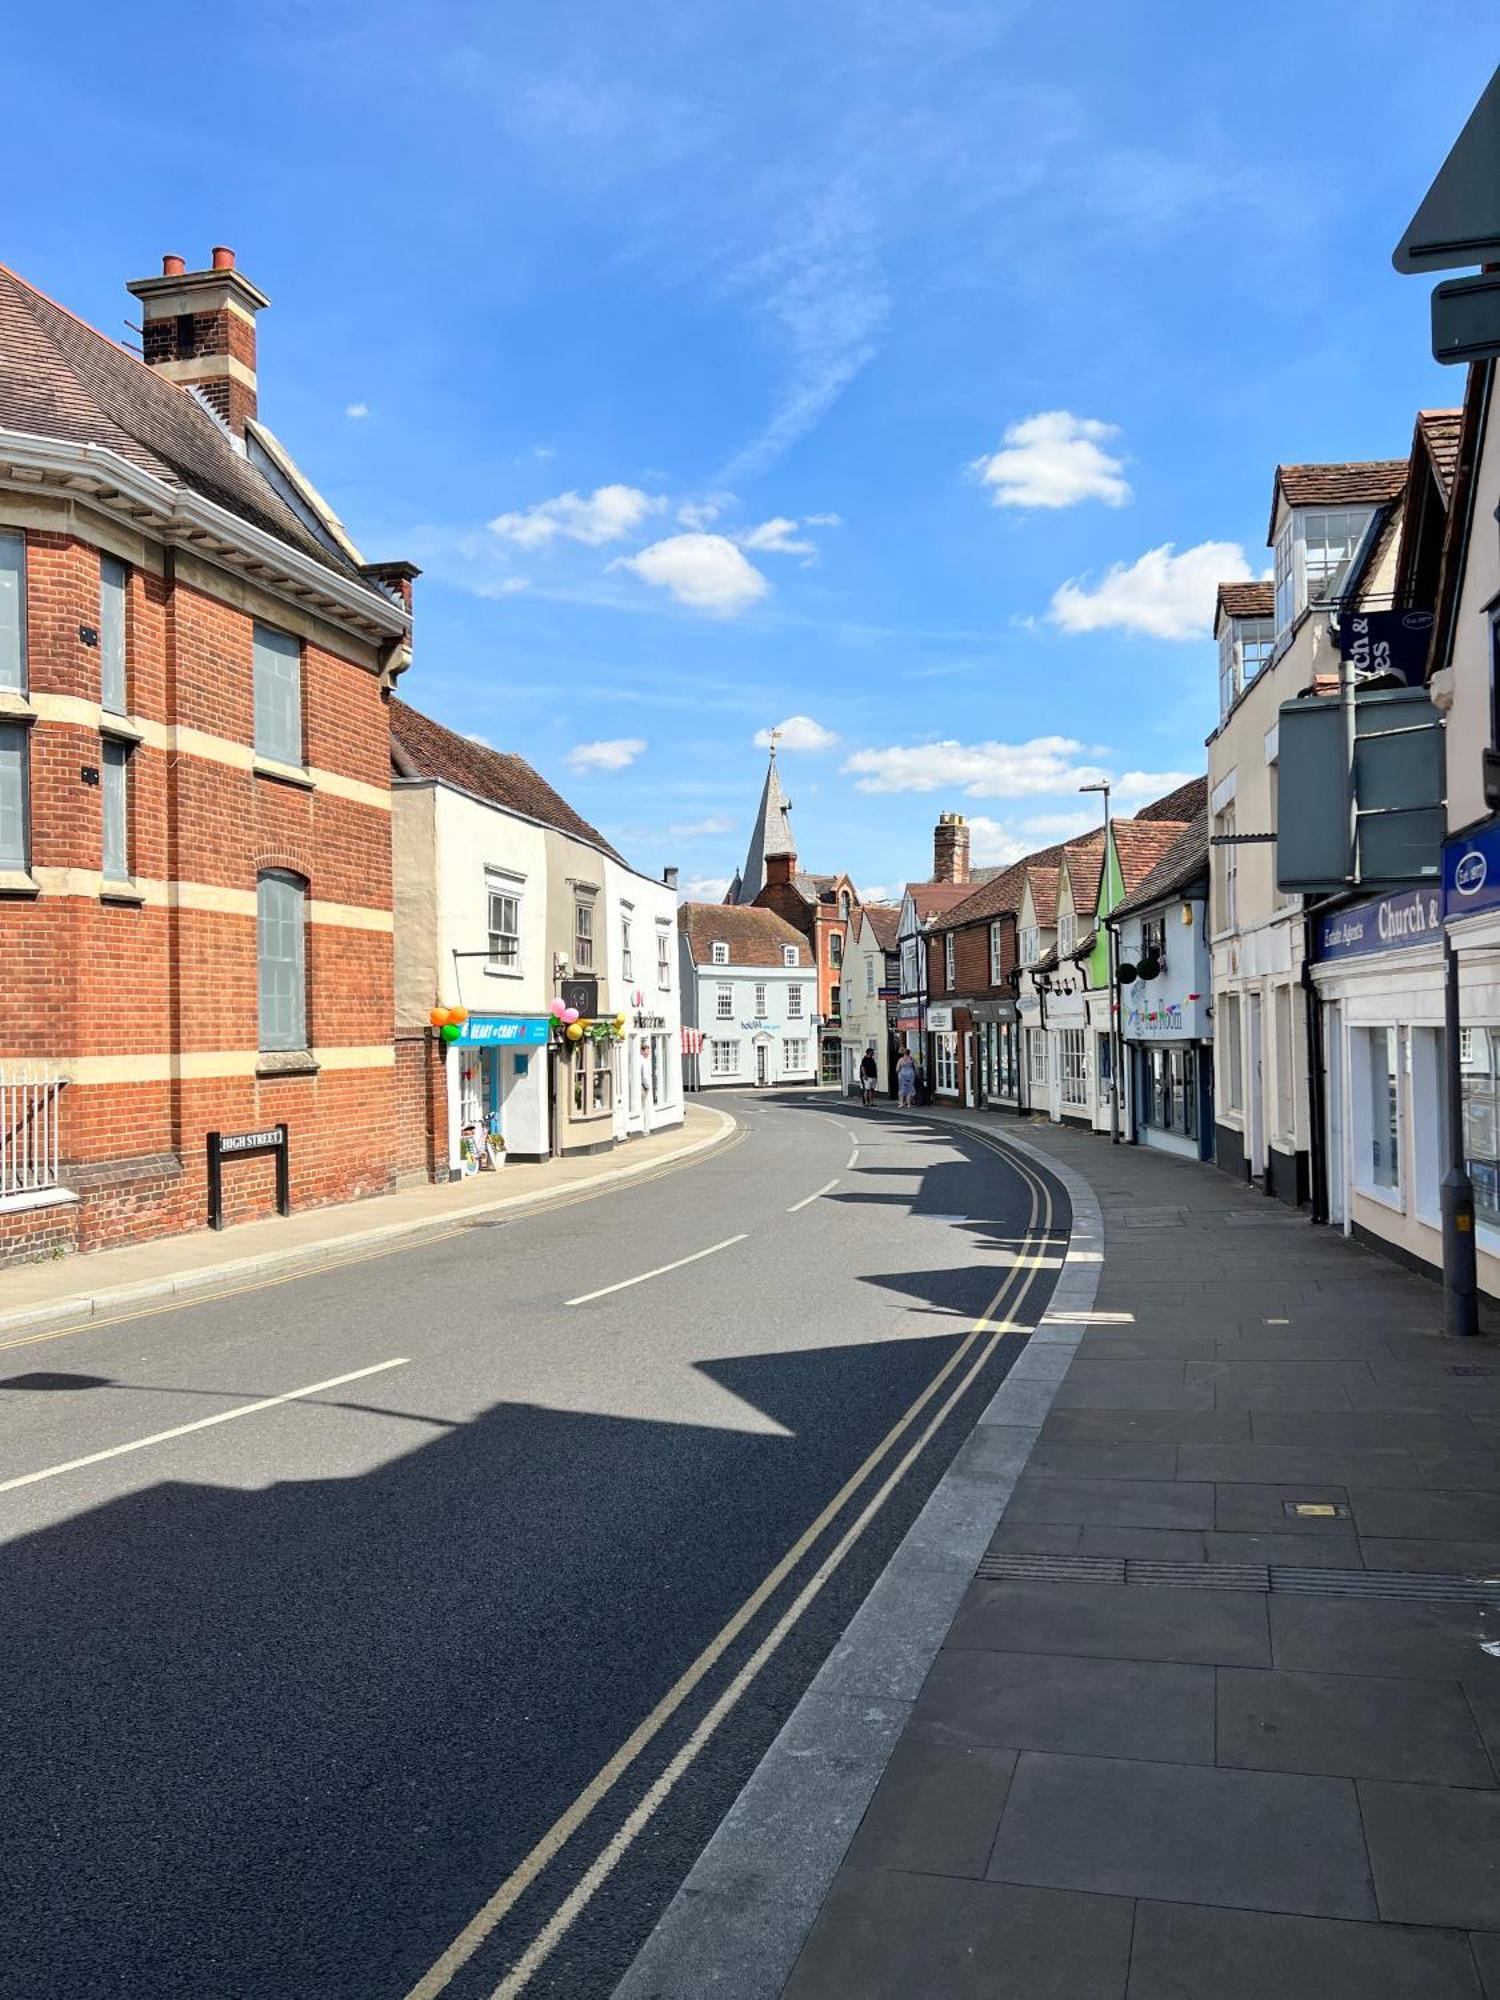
(356, 410)
(778, 536)
(1047, 827)
(503, 586)
(612, 754)
(704, 512)
(715, 823)
(798, 732)
(993, 844)
(704, 889)
(1055, 459)
(705, 572)
(824, 521)
(1141, 787)
(979, 770)
(879, 892)
(608, 514)
(1165, 595)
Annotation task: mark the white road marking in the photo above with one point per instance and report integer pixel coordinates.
(625, 1283)
(816, 1195)
(202, 1424)
(853, 1157)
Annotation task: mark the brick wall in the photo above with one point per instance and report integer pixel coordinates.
(421, 1106)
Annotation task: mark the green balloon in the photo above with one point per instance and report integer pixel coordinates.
(450, 1031)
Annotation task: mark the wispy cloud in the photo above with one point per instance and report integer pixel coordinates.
(978, 770)
(356, 410)
(716, 823)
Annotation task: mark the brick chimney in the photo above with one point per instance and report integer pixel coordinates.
(779, 869)
(950, 848)
(199, 329)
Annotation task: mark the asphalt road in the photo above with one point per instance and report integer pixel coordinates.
(293, 1703)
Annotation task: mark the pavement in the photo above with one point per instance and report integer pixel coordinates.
(104, 1281)
(1218, 1709)
(403, 1628)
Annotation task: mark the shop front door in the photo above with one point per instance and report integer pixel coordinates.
(762, 1062)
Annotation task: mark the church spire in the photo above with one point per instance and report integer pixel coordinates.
(772, 833)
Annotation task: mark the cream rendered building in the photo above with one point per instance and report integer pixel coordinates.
(869, 984)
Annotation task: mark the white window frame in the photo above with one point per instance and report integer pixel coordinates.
(1229, 678)
(279, 731)
(794, 1053)
(1231, 1054)
(502, 888)
(1253, 637)
(1226, 874)
(1036, 1058)
(13, 662)
(948, 961)
(723, 1058)
(114, 598)
(663, 958)
(724, 1004)
(945, 1062)
(790, 955)
(1073, 1067)
(1030, 944)
(1368, 1143)
(794, 1002)
(997, 952)
(762, 1010)
(627, 956)
(869, 977)
(583, 933)
(719, 954)
(1067, 932)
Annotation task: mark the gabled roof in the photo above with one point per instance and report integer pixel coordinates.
(771, 835)
(63, 380)
(1182, 804)
(422, 748)
(1084, 861)
(885, 921)
(931, 899)
(1141, 845)
(754, 936)
(1371, 482)
(1184, 862)
(1245, 600)
(1440, 430)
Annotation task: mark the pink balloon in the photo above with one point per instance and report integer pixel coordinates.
(560, 1009)
(570, 1015)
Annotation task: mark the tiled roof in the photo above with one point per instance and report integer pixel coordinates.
(1184, 861)
(885, 921)
(1441, 430)
(1141, 845)
(1084, 860)
(61, 379)
(1247, 600)
(1182, 804)
(1370, 483)
(754, 936)
(497, 775)
(1041, 879)
(1002, 893)
(931, 899)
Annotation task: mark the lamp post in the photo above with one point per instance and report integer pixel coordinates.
(1116, 1081)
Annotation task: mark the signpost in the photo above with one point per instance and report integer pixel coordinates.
(224, 1146)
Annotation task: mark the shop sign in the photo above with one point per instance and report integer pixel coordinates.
(1381, 923)
(652, 1023)
(888, 992)
(993, 1012)
(1386, 642)
(582, 994)
(908, 1024)
(1471, 873)
(940, 1020)
(514, 1031)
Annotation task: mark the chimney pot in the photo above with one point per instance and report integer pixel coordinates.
(223, 258)
(172, 266)
(669, 877)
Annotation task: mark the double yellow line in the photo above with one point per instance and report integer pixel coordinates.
(977, 1348)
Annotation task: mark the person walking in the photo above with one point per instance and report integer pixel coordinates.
(906, 1080)
(869, 1076)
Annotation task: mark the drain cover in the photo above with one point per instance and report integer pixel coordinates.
(1315, 1510)
(1409, 1586)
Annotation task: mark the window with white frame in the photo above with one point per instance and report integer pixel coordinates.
(835, 948)
(13, 611)
(1330, 542)
(795, 1053)
(1228, 675)
(1067, 931)
(869, 978)
(761, 1010)
(278, 695)
(724, 1007)
(997, 952)
(280, 951)
(793, 1003)
(790, 955)
(1257, 642)
(663, 958)
(945, 1062)
(583, 934)
(13, 796)
(719, 954)
(1284, 570)
(724, 1058)
(1036, 1057)
(627, 957)
(1231, 1057)
(1030, 944)
(908, 965)
(1073, 1066)
(112, 590)
(1377, 1126)
(1481, 1128)
(503, 918)
(948, 981)
(114, 783)
(1226, 872)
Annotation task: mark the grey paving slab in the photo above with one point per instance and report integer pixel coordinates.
(1350, 1726)
(1182, 1953)
(1482, 1692)
(1300, 1551)
(1104, 1708)
(1435, 1853)
(1485, 1946)
(1116, 1621)
(1037, 1538)
(1186, 1833)
(1426, 1513)
(884, 1936)
(1294, 1464)
(1404, 1430)
(1471, 1469)
(1262, 1510)
(936, 1808)
(1477, 1559)
(1145, 1426)
(1347, 1635)
(1127, 1503)
(1104, 1459)
(1091, 1393)
(1144, 1544)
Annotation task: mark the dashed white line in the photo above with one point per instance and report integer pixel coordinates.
(816, 1195)
(202, 1424)
(625, 1283)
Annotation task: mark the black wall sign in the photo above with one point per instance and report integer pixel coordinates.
(582, 994)
(224, 1146)
(1386, 642)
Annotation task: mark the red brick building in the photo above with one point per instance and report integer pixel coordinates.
(195, 874)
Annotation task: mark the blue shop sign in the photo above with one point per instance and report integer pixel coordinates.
(513, 1031)
(1382, 923)
(1471, 873)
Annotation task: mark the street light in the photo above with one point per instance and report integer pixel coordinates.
(1116, 1081)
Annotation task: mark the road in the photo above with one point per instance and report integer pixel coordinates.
(410, 1625)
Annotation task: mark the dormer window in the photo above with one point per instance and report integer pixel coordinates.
(1245, 647)
(720, 954)
(1314, 554)
(789, 954)
(1029, 948)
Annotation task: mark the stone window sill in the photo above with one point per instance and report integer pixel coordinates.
(121, 727)
(286, 1062)
(122, 892)
(286, 774)
(14, 707)
(33, 1198)
(18, 882)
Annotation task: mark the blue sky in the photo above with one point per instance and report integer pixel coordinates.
(887, 365)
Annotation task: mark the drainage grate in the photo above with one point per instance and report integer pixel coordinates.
(1409, 1586)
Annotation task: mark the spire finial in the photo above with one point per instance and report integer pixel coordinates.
(775, 735)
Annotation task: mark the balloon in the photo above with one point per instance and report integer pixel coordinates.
(450, 1031)
(570, 1015)
(438, 1016)
(575, 1031)
(619, 1020)
(458, 1014)
(560, 1009)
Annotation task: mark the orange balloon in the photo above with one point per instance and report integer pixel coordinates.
(438, 1016)
(458, 1014)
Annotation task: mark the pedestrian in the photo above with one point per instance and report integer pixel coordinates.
(869, 1076)
(646, 1100)
(906, 1080)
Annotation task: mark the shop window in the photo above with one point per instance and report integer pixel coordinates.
(593, 1077)
(1073, 1070)
(1169, 1101)
(13, 611)
(1231, 1059)
(945, 1062)
(725, 1058)
(1036, 1058)
(278, 695)
(1429, 1119)
(1481, 1098)
(280, 945)
(1377, 1126)
(13, 796)
(112, 590)
(796, 1055)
